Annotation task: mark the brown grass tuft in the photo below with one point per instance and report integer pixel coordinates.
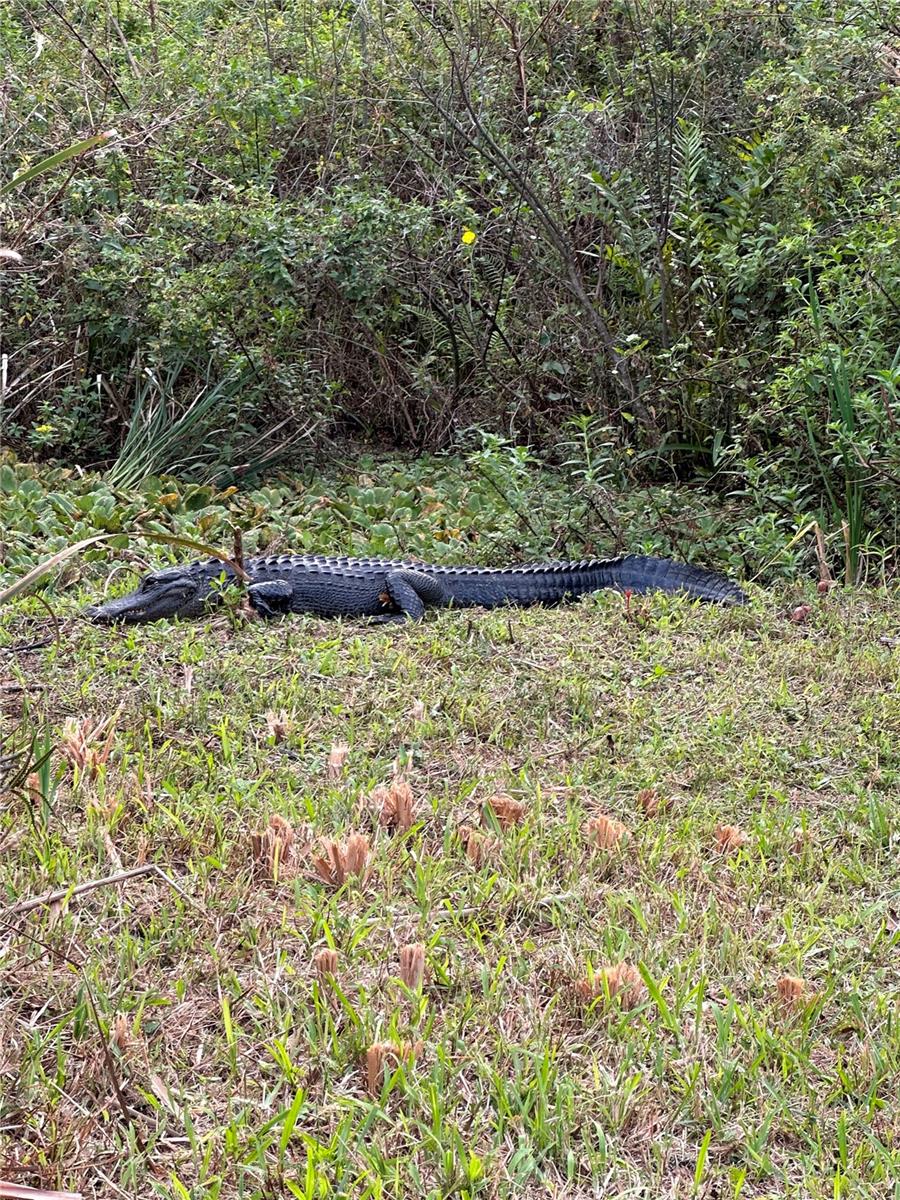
(337, 759)
(272, 850)
(121, 1032)
(418, 710)
(791, 991)
(384, 1056)
(509, 812)
(622, 982)
(340, 861)
(412, 965)
(604, 831)
(395, 805)
(326, 963)
(730, 837)
(480, 847)
(278, 725)
(82, 746)
(651, 802)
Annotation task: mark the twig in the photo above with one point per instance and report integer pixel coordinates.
(822, 556)
(18, 1191)
(24, 906)
(24, 647)
(238, 554)
(89, 50)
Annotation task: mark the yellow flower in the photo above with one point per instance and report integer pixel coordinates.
(469, 236)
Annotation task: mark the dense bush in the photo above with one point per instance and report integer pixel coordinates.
(678, 222)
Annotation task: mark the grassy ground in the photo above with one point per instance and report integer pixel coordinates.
(182, 1034)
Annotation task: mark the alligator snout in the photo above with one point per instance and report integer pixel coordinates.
(103, 614)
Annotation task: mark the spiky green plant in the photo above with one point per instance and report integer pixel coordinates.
(849, 510)
(168, 436)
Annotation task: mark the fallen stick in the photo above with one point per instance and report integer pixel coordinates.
(24, 906)
(18, 1191)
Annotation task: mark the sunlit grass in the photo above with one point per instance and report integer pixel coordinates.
(556, 1011)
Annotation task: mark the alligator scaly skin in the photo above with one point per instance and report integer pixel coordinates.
(334, 585)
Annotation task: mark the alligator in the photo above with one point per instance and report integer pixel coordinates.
(396, 590)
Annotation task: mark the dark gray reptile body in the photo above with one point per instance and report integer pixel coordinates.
(396, 588)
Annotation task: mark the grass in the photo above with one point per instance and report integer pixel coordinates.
(183, 1035)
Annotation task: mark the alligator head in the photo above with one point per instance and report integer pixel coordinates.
(175, 592)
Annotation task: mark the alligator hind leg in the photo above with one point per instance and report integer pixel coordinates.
(411, 591)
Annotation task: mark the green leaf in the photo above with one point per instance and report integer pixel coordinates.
(660, 1001)
(44, 568)
(701, 1159)
(290, 1119)
(48, 164)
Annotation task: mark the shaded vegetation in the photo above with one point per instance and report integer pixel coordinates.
(673, 224)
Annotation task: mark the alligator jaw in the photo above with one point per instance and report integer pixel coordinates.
(131, 609)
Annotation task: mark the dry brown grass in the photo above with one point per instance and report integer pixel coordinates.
(604, 831)
(480, 847)
(339, 861)
(412, 965)
(278, 725)
(325, 962)
(337, 760)
(83, 744)
(730, 838)
(395, 805)
(651, 802)
(274, 850)
(382, 1057)
(507, 811)
(620, 982)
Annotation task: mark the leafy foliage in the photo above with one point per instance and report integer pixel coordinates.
(406, 222)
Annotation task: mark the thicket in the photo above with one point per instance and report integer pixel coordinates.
(668, 230)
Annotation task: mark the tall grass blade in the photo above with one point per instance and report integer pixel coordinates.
(162, 440)
(48, 164)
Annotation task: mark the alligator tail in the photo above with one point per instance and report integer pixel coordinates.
(639, 573)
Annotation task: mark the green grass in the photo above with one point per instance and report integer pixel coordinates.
(241, 1073)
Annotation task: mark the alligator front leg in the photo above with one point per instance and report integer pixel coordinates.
(271, 597)
(411, 591)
